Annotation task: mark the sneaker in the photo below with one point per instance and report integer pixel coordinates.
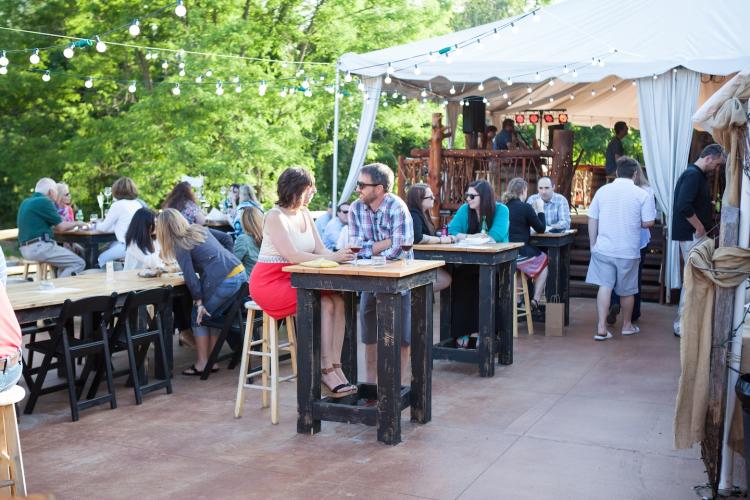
(676, 330)
(599, 336)
(614, 310)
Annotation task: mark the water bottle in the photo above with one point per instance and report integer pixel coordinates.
(484, 225)
(79, 215)
(445, 230)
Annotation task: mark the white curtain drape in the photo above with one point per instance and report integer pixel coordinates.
(666, 106)
(371, 97)
(451, 113)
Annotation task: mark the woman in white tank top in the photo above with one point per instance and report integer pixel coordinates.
(290, 237)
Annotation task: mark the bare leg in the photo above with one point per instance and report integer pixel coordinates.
(627, 308)
(443, 280)
(540, 283)
(326, 341)
(202, 342)
(371, 363)
(602, 308)
(339, 327)
(405, 372)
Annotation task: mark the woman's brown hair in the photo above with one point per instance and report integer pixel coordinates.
(291, 186)
(515, 189)
(252, 224)
(414, 198)
(124, 189)
(180, 195)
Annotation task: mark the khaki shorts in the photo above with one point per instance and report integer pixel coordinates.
(611, 272)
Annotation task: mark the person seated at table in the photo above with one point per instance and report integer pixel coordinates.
(247, 245)
(183, 200)
(10, 343)
(208, 254)
(556, 208)
(37, 219)
(322, 221)
(118, 218)
(64, 203)
(420, 200)
(290, 237)
(142, 247)
(333, 229)
(480, 213)
(531, 261)
(247, 199)
(229, 204)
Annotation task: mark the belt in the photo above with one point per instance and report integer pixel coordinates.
(10, 361)
(33, 240)
(237, 270)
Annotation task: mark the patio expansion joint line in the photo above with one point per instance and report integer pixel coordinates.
(613, 448)
(471, 483)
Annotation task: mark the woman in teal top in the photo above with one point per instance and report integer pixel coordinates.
(481, 211)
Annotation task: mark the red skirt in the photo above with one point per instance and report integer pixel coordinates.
(271, 288)
(533, 266)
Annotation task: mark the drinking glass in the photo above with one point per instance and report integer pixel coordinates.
(108, 193)
(93, 218)
(355, 245)
(406, 248)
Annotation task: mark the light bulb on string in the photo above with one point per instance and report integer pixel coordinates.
(537, 77)
(387, 79)
(235, 79)
(505, 95)
(282, 92)
(148, 55)
(566, 70)
(510, 103)
(593, 61)
(459, 50)
(88, 83)
(132, 87)
(164, 65)
(575, 73)
(417, 71)
(448, 58)
(484, 100)
(181, 65)
(551, 99)
(536, 16)
(593, 92)
(262, 88)
(452, 90)
(219, 88)
(614, 89)
(600, 62)
(209, 73)
(528, 90)
(572, 97)
(180, 10)
(531, 101)
(306, 83)
(45, 77)
(101, 47)
(34, 57)
(3, 70)
(308, 93)
(513, 28)
(395, 94)
(348, 77)
(479, 44)
(390, 69)
(509, 81)
(431, 57)
(238, 88)
(69, 51)
(199, 79)
(182, 72)
(461, 102)
(361, 86)
(552, 82)
(176, 89)
(445, 102)
(135, 28)
(480, 87)
(423, 93)
(4, 59)
(495, 34)
(656, 77)
(633, 83)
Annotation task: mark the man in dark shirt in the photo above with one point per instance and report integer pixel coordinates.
(692, 211)
(506, 135)
(615, 149)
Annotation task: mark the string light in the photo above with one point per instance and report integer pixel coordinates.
(537, 77)
(531, 101)
(219, 88)
(34, 57)
(479, 44)
(180, 10)
(361, 86)
(633, 83)
(600, 62)
(390, 69)
(423, 93)
(283, 92)
(395, 94)
(458, 50)
(593, 61)
(509, 81)
(88, 83)
(510, 103)
(306, 83)
(575, 73)
(551, 99)
(572, 97)
(495, 34)
(480, 88)
(431, 57)
(182, 72)
(135, 28)
(3, 70)
(448, 58)
(101, 47)
(348, 77)
(199, 79)
(614, 89)
(461, 103)
(238, 88)
(388, 79)
(308, 93)
(417, 71)
(484, 100)
(46, 76)
(593, 92)
(566, 70)
(551, 82)
(656, 77)
(176, 89)
(69, 51)
(132, 87)
(505, 95)
(164, 65)
(452, 90)
(4, 59)
(513, 27)
(528, 90)
(209, 73)
(262, 88)
(535, 16)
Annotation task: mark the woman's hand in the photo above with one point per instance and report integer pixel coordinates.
(538, 205)
(342, 255)
(446, 239)
(200, 313)
(460, 237)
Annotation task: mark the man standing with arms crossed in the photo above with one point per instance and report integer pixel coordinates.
(692, 211)
(381, 221)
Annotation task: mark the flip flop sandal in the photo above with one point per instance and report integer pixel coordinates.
(602, 336)
(192, 372)
(632, 331)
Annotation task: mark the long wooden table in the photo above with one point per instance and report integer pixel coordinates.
(31, 302)
(90, 240)
(387, 283)
(557, 246)
(494, 296)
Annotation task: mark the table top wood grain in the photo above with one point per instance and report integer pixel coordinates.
(392, 269)
(457, 247)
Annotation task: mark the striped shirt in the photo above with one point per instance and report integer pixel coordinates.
(556, 210)
(391, 220)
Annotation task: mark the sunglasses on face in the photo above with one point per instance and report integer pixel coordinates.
(428, 197)
(344, 211)
(362, 185)
(470, 196)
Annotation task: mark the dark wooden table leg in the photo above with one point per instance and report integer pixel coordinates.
(565, 280)
(421, 354)
(506, 275)
(486, 345)
(308, 359)
(552, 291)
(445, 314)
(160, 371)
(349, 351)
(388, 311)
(91, 251)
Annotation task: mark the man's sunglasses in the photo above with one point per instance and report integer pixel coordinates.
(362, 185)
(428, 197)
(344, 211)
(470, 196)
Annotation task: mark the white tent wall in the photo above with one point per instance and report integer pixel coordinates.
(451, 112)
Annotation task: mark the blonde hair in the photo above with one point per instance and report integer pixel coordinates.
(172, 230)
(124, 189)
(61, 188)
(515, 189)
(252, 223)
(641, 180)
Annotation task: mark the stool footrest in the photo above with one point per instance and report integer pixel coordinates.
(254, 386)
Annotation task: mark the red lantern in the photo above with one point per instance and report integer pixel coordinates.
(548, 118)
(562, 118)
(534, 119)
(520, 119)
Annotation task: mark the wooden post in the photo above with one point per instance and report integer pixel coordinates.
(436, 160)
(722, 325)
(401, 178)
(562, 163)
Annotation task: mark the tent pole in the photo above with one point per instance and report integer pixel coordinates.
(334, 184)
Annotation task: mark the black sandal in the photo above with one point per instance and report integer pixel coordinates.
(192, 372)
(340, 391)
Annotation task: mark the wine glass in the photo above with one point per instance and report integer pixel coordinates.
(108, 193)
(355, 245)
(406, 248)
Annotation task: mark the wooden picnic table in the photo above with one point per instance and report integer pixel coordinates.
(557, 246)
(31, 302)
(387, 283)
(220, 225)
(89, 239)
(491, 298)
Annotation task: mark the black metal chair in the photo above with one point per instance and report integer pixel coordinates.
(92, 343)
(136, 329)
(232, 325)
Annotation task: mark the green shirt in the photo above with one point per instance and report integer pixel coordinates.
(36, 216)
(498, 231)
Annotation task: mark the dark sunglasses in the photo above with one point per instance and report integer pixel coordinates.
(362, 185)
(470, 196)
(428, 197)
(344, 211)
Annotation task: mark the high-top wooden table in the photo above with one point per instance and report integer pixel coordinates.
(31, 302)
(387, 283)
(220, 225)
(557, 246)
(89, 239)
(494, 296)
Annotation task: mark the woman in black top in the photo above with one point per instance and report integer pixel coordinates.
(531, 261)
(420, 200)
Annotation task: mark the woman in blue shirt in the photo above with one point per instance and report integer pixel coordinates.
(479, 210)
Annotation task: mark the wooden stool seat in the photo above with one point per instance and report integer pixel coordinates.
(523, 291)
(11, 462)
(269, 354)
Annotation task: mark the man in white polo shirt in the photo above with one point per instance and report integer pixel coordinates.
(617, 213)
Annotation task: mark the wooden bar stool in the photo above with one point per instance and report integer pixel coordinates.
(11, 462)
(523, 291)
(42, 270)
(269, 354)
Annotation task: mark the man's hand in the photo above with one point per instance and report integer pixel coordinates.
(700, 232)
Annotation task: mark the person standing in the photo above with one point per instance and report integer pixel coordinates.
(556, 208)
(692, 211)
(491, 133)
(334, 227)
(37, 219)
(10, 343)
(615, 149)
(381, 222)
(616, 215)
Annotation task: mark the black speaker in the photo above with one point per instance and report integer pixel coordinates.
(474, 115)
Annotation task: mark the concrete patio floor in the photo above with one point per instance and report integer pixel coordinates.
(571, 418)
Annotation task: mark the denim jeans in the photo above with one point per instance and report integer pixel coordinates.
(219, 302)
(10, 377)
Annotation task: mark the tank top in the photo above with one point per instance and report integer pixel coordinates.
(302, 241)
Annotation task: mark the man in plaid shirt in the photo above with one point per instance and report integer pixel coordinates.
(556, 208)
(381, 221)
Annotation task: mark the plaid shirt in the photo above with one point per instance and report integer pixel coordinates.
(392, 220)
(556, 210)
